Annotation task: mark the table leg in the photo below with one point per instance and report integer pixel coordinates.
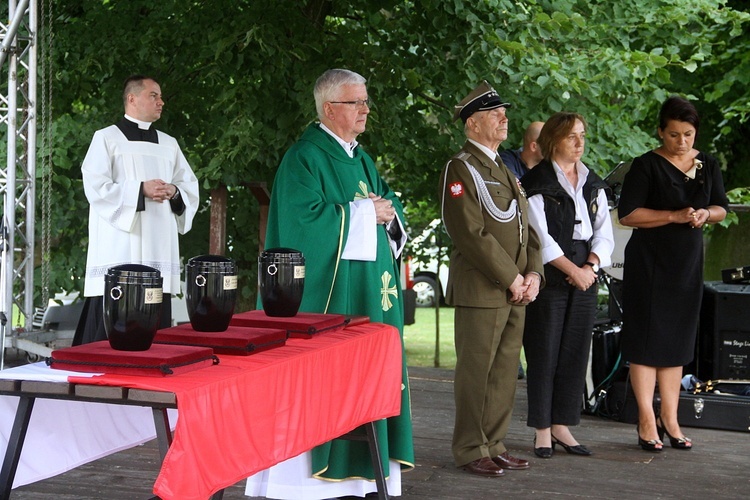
(372, 440)
(164, 438)
(371, 436)
(163, 431)
(15, 445)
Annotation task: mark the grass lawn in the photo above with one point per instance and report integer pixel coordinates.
(419, 339)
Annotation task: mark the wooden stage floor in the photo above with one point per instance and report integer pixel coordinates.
(718, 467)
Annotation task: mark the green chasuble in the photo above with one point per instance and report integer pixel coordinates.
(309, 212)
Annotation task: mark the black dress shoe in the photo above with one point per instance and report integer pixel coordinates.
(484, 466)
(654, 445)
(543, 452)
(578, 449)
(681, 443)
(506, 461)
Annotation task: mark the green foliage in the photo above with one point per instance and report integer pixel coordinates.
(238, 75)
(738, 196)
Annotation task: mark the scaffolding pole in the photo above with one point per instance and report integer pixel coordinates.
(18, 56)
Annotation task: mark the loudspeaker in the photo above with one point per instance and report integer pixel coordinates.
(410, 305)
(723, 348)
(620, 403)
(605, 352)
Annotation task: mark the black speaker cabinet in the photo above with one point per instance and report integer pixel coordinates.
(605, 349)
(723, 350)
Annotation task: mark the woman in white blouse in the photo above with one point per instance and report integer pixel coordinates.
(568, 210)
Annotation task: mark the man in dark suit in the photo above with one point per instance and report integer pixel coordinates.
(495, 271)
(520, 161)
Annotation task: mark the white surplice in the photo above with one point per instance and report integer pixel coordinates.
(113, 170)
(291, 480)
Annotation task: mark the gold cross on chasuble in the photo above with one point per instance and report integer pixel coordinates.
(386, 291)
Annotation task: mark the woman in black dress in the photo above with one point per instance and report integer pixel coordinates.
(668, 195)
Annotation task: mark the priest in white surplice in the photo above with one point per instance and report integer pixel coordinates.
(142, 194)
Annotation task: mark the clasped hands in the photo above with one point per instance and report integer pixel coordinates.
(524, 289)
(696, 217)
(384, 210)
(158, 190)
(582, 278)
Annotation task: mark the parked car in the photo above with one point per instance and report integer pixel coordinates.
(429, 264)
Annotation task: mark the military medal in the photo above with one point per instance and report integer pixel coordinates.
(520, 188)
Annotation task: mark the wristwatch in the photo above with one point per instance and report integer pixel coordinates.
(595, 267)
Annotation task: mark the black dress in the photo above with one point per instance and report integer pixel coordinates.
(663, 271)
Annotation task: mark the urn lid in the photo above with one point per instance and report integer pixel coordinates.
(134, 270)
(210, 262)
(284, 254)
(281, 250)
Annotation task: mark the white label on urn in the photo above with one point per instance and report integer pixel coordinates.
(299, 272)
(230, 282)
(153, 296)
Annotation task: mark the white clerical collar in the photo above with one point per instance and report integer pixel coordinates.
(141, 124)
(491, 154)
(348, 146)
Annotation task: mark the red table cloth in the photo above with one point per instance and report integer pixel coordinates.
(249, 413)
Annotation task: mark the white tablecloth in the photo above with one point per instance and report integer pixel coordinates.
(65, 434)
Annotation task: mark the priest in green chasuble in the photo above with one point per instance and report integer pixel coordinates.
(329, 202)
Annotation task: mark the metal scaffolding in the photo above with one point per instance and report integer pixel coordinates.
(18, 115)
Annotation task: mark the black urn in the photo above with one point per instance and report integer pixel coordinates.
(281, 281)
(132, 306)
(211, 292)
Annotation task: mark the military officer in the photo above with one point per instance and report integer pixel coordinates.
(495, 271)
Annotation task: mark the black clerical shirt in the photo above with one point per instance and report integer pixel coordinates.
(133, 132)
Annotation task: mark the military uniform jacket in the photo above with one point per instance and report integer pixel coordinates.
(484, 211)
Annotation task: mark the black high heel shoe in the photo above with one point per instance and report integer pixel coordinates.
(578, 449)
(681, 443)
(654, 445)
(542, 452)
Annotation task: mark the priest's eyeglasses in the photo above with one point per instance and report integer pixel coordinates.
(359, 103)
